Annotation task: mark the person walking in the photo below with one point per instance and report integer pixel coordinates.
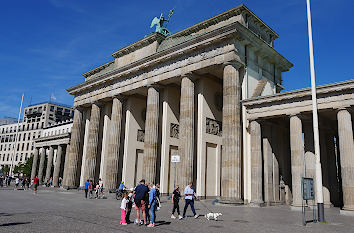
(35, 184)
(152, 205)
(100, 188)
(90, 188)
(141, 192)
(123, 207)
(17, 182)
(27, 183)
(129, 206)
(189, 195)
(176, 195)
(87, 184)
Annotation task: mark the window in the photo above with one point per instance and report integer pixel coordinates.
(18, 146)
(34, 135)
(32, 146)
(24, 136)
(23, 146)
(27, 146)
(29, 136)
(8, 157)
(38, 125)
(51, 108)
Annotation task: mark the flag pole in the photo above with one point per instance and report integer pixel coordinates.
(318, 178)
(16, 138)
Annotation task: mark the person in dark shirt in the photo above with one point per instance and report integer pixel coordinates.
(141, 192)
(176, 195)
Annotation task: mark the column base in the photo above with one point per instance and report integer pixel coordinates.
(256, 204)
(69, 187)
(347, 212)
(230, 201)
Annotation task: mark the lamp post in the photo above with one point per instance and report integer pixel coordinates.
(318, 179)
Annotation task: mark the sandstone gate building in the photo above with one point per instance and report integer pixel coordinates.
(211, 94)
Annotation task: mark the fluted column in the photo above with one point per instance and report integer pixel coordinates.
(346, 149)
(92, 145)
(34, 163)
(297, 158)
(151, 134)
(57, 166)
(256, 164)
(186, 135)
(71, 168)
(268, 164)
(41, 165)
(114, 144)
(231, 134)
(49, 164)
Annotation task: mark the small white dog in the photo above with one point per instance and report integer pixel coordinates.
(213, 216)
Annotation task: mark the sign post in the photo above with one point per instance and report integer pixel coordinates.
(175, 159)
(308, 193)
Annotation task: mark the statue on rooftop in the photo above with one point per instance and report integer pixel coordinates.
(159, 24)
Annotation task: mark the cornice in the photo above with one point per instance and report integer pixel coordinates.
(301, 93)
(98, 69)
(139, 44)
(222, 17)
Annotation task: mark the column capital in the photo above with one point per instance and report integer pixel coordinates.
(98, 103)
(344, 108)
(236, 64)
(156, 86)
(120, 97)
(299, 115)
(79, 108)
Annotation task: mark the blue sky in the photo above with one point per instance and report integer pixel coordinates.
(46, 45)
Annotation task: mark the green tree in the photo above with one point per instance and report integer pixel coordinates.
(6, 169)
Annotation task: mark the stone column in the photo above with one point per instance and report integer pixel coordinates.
(346, 149)
(34, 164)
(151, 135)
(332, 168)
(49, 164)
(256, 164)
(57, 166)
(92, 145)
(71, 168)
(297, 158)
(41, 165)
(268, 164)
(114, 144)
(186, 135)
(231, 134)
(276, 178)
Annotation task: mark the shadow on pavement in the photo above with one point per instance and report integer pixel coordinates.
(160, 223)
(13, 224)
(5, 214)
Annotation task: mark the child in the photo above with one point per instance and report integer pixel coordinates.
(97, 190)
(90, 189)
(175, 201)
(129, 206)
(123, 206)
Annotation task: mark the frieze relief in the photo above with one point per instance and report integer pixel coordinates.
(174, 131)
(213, 127)
(140, 135)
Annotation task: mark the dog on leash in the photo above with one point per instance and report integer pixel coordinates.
(213, 216)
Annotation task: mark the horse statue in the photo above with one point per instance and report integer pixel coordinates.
(159, 24)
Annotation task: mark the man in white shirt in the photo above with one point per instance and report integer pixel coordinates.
(189, 195)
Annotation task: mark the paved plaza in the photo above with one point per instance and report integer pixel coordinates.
(54, 210)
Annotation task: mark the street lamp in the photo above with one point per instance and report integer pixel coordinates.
(318, 179)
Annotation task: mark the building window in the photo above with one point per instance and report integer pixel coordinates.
(8, 157)
(51, 108)
(27, 146)
(24, 136)
(32, 146)
(29, 136)
(23, 146)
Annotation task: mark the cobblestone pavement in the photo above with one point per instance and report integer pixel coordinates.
(56, 210)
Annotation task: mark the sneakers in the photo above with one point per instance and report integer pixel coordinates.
(180, 217)
(196, 216)
(151, 225)
(173, 217)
